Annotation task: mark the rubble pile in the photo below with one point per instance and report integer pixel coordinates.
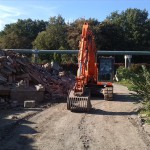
(16, 71)
(4, 103)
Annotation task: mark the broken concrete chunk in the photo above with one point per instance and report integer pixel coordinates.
(13, 117)
(4, 90)
(40, 87)
(10, 60)
(62, 73)
(47, 66)
(14, 104)
(55, 66)
(2, 78)
(22, 83)
(9, 67)
(2, 100)
(2, 58)
(6, 71)
(29, 104)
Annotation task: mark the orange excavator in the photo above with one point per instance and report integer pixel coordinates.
(91, 75)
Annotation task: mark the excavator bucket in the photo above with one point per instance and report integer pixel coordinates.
(79, 103)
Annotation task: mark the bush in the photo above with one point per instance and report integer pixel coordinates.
(139, 78)
(126, 74)
(123, 73)
(141, 85)
(136, 68)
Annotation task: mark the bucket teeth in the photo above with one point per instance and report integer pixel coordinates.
(78, 103)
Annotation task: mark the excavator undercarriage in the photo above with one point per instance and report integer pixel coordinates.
(108, 93)
(83, 102)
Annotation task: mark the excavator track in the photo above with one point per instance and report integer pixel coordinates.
(108, 93)
(79, 103)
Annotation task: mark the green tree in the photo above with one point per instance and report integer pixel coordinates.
(55, 35)
(134, 23)
(141, 85)
(109, 36)
(75, 30)
(21, 34)
(53, 38)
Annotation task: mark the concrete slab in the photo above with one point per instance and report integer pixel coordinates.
(29, 104)
(4, 90)
(24, 94)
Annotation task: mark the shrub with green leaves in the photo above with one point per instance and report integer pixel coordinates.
(138, 77)
(141, 85)
(123, 73)
(127, 73)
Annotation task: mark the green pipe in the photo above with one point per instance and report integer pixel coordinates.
(123, 52)
(99, 52)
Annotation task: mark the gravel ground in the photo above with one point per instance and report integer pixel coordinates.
(111, 125)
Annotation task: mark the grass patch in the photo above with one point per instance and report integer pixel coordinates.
(148, 121)
(145, 115)
(125, 83)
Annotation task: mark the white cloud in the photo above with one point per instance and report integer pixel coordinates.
(8, 15)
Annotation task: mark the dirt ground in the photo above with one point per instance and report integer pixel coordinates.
(111, 125)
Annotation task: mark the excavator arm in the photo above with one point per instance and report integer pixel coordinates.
(79, 96)
(87, 66)
(89, 76)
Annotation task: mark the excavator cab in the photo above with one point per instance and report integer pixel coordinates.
(106, 69)
(105, 76)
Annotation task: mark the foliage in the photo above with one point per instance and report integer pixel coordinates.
(128, 73)
(75, 30)
(123, 73)
(109, 36)
(135, 26)
(141, 85)
(21, 34)
(137, 79)
(55, 35)
(127, 30)
(69, 58)
(53, 38)
(136, 68)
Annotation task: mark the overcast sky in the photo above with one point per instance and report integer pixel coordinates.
(12, 10)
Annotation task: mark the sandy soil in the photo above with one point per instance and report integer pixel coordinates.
(111, 125)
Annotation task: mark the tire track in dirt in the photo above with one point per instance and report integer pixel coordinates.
(83, 133)
(136, 122)
(111, 125)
